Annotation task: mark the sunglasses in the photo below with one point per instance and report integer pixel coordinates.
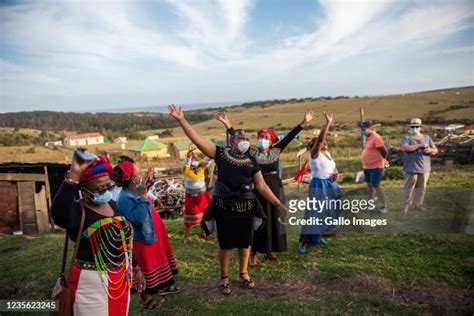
(110, 187)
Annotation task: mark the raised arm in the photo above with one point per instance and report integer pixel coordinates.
(188, 158)
(316, 148)
(62, 207)
(222, 117)
(308, 117)
(207, 148)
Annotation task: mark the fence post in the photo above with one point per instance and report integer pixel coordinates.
(362, 118)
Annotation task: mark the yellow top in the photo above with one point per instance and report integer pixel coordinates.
(194, 173)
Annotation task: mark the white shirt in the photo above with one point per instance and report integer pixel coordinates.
(322, 167)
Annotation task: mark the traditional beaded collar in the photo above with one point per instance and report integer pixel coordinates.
(235, 159)
(264, 159)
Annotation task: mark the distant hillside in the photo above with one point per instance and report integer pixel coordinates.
(87, 122)
(435, 107)
(441, 106)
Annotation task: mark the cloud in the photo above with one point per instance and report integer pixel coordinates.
(74, 29)
(353, 28)
(459, 50)
(214, 28)
(73, 48)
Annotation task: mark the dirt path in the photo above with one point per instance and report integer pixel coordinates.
(437, 300)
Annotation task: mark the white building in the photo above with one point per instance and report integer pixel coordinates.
(120, 140)
(54, 143)
(84, 139)
(452, 127)
(153, 137)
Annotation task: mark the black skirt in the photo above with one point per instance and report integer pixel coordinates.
(272, 236)
(234, 221)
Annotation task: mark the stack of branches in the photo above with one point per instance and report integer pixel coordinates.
(170, 192)
(457, 148)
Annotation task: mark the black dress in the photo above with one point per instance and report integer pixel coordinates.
(234, 216)
(272, 236)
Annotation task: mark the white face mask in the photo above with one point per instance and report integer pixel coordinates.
(243, 146)
(263, 143)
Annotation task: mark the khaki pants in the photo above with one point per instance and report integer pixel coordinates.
(415, 182)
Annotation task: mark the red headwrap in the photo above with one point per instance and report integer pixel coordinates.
(273, 135)
(99, 168)
(127, 170)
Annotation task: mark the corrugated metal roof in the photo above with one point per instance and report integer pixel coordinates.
(85, 136)
(147, 145)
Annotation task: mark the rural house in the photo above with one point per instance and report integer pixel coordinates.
(84, 139)
(178, 150)
(149, 149)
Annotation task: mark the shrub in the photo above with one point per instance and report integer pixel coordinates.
(347, 179)
(393, 173)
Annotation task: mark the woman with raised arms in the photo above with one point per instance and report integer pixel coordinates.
(272, 237)
(234, 206)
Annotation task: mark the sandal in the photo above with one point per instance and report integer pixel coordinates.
(270, 257)
(150, 304)
(225, 287)
(172, 289)
(248, 283)
(253, 258)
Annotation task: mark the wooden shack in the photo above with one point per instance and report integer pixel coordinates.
(26, 191)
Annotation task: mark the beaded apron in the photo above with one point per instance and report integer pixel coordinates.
(111, 243)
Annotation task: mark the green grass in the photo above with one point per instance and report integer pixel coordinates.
(360, 274)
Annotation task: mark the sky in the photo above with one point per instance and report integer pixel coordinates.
(98, 55)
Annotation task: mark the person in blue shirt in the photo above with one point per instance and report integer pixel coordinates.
(418, 149)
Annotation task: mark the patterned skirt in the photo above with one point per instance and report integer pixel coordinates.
(156, 260)
(92, 295)
(194, 207)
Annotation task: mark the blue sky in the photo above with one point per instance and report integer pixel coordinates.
(99, 55)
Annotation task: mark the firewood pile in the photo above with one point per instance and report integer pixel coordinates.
(170, 192)
(458, 148)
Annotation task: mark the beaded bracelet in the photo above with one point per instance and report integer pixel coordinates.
(68, 179)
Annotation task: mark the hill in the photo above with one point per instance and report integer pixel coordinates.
(435, 107)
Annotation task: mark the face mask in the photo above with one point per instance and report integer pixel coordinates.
(102, 198)
(263, 143)
(243, 146)
(195, 164)
(414, 130)
(364, 133)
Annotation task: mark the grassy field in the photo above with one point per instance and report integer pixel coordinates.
(346, 111)
(358, 273)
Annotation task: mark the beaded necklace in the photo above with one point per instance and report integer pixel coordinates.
(110, 239)
(233, 158)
